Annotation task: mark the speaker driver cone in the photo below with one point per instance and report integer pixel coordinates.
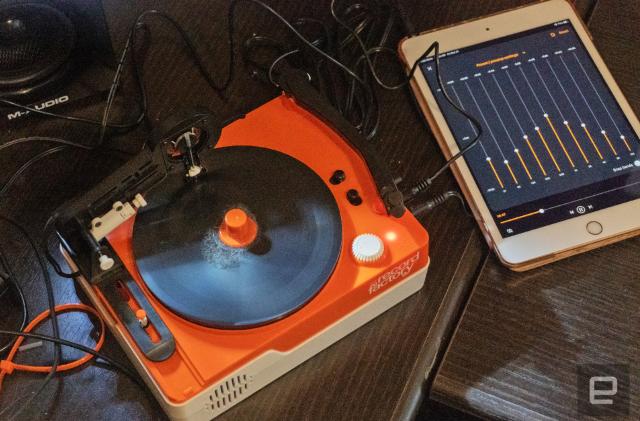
(36, 46)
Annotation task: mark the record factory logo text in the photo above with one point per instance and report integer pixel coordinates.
(398, 272)
(46, 104)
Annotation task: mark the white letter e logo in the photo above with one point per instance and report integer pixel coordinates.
(594, 394)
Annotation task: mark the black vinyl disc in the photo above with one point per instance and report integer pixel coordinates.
(186, 266)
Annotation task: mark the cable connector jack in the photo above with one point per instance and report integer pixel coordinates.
(420, 187)
(436, 201)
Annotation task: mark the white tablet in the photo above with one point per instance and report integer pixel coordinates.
(556, 170)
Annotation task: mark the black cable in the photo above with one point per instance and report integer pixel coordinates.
(88, 121)
(23, 306)
(56, 267)
(53, 317)
(219, 88)
(275, 63)
(366, 54)
(357, 102)
(351, 99)
(9, 277)
(114, 89)
(313, 46)
(44, 154)
(28, 164)
(116, 82)
(56, 335)
(133, 376)
(129, 48)
(292, 29)
(3, 284)
(47, 231)
(104, 123)
(437, 200)
(425, 183)
(45, 139)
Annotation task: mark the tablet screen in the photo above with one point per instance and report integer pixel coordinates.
(555, 144)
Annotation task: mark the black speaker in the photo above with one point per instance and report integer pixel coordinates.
(44, 42)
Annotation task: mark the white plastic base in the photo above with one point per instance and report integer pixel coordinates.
(250, 378)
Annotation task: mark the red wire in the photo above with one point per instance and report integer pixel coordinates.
(7, 366)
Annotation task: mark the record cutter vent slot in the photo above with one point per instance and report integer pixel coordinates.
(229, 391)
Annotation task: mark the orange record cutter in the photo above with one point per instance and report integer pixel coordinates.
(267, 249)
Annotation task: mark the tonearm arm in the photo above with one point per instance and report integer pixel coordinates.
(86, 220)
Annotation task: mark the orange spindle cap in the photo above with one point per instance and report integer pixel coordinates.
(238, 229)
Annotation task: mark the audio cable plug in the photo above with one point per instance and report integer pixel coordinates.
(437, 200)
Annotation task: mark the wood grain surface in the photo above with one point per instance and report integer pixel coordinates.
(368, 375)
(516, 351)
(373, 374)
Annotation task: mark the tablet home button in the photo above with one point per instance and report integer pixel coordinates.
(594, 227)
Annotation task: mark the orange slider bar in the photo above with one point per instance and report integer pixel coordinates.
(520, 217)
(495, 173)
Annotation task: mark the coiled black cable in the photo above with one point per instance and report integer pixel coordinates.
(352, 83)
(9, 277)
(358, 40)
(54, 320)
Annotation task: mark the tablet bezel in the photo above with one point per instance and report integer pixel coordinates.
(551, 242)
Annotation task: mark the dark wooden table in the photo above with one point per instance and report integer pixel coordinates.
(516, 351)
(376, 373)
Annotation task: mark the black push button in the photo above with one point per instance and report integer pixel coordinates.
(354, 197)
(337, 177)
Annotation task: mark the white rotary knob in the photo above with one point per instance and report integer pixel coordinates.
(367, 248)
